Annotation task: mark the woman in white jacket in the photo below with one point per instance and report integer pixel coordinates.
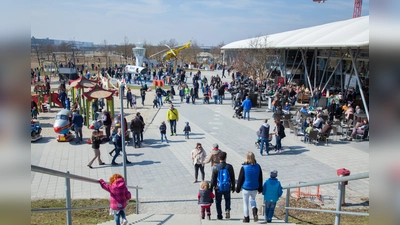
(198, 157)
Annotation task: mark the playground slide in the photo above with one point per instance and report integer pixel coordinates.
(54, 98)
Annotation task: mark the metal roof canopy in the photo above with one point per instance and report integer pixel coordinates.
(352, 33)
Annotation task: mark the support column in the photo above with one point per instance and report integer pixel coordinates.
(306, 71)
(87, 112)
(359, 86)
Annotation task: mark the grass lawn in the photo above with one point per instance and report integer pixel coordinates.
(308, 217)
(80, 217)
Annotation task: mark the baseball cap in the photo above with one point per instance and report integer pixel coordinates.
(215, 145)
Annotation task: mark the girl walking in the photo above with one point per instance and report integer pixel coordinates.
(198, 157)
(119, 197)
(205, 197)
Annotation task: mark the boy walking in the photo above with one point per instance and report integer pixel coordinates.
(186, 130)
(272, 190)
(163, 131)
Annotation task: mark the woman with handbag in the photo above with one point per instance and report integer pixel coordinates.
(198, 157)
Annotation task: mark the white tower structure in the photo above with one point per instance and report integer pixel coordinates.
(139, 52)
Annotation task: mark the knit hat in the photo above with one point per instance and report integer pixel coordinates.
(187, 123)
(215, 145)
(273, 174)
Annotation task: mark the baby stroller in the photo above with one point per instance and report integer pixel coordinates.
(258, 142)
(238, 113)
(167, 99)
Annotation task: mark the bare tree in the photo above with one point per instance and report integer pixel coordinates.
(216, 52)
(253, 60)
(37, 48)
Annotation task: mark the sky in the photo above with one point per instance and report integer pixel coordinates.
(208, 22)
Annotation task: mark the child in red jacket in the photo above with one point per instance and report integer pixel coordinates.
(119, 197)
(205, 197)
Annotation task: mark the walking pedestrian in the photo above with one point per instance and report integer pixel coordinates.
(119, 196)
(77, 122)
(136, 127)
(163, 131)
(128, 98)
(205, 197)
(214, 156)
(264, 135)
(187, 130)
(272, 190)
(118, 142)
(198, 157)
(246, 108)
(223, 182)
(172, 117)
(96, 141)
(279, 135)
(107, 121)
(250, 180)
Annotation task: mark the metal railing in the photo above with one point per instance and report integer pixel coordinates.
(67, 177)
(340, 197)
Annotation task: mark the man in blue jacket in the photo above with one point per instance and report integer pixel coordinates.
(246, 108)
(77, 122)
(272, 190)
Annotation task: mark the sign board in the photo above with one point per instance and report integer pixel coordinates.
(353, 81)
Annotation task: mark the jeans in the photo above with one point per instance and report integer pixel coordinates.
(264, 141)
(163, 135)
(220, 99)
(278, 142)
(196, 171)
(117, 151)
(136, 137)
(78, 133)
(193, 99)
(246, 112)
(143, 98)
(159, 98)
(182, 97)
(218, 200)
(315, 103)
(128, 102)
(248, 195)
(269, 210)
(120, 214)
(215, 99)
(186, 134)
(172, 124)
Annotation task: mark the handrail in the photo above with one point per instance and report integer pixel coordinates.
(340, 199)
(68, 175)
(330, 181)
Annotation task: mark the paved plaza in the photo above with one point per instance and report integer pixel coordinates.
(165, 171)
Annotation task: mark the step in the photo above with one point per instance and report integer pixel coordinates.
(192, 219)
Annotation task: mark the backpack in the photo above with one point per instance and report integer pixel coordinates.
(223, 180)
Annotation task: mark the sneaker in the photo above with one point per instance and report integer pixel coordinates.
(172, 134)
(124, 222)
(114, 163)
(228, 214)
(167, 141)
(175, 134)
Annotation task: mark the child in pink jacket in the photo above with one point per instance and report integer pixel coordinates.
(119, 197)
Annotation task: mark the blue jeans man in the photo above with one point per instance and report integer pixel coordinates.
(264, 141)
(315, 103)
(215, 99)
(246, 112)
(269, 210)
(159, 98)
(78, 133)
(172, 124)
(136, 138)
(278, 143)
(218, 200)
(220, 99)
